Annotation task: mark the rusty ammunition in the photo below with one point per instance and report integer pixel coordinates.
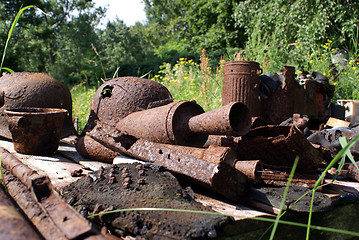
(232, 119)
(185, 123)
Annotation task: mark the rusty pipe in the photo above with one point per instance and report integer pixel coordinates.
(232, 119)
(251, 168)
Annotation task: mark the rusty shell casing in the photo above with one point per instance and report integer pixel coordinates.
(165, 124)
(251, 168)
(241, 84)
(232, 119)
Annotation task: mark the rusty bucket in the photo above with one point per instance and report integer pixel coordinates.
(241, 84)
(36, 131)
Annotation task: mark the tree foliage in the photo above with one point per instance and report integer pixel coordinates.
(288, 31)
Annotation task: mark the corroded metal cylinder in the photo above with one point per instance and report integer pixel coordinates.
(241, 84)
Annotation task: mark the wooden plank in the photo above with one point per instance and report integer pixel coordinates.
(56, 167)
(241, 212)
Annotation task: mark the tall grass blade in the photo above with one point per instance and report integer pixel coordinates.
(345, 151)
(284, 198)
(11, 31)
(343, 142)
(8, 69)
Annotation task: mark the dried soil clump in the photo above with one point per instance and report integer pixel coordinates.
(126, 186)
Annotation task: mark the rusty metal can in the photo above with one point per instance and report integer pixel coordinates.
(241, 84)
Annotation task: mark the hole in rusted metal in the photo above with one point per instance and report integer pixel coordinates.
(106, 91)
(169, 156)
(160, 151)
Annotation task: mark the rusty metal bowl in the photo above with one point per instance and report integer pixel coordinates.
(36, 131)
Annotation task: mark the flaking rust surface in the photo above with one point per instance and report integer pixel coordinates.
(126, 186)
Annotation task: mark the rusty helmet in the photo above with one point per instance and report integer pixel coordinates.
(119, 97)
(29, 89)
(114, 100)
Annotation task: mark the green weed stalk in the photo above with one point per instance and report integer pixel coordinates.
(12, 28)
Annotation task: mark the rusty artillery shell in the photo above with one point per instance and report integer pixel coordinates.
(241, 84)
(251, 168)
(165, 124)
(232, 119)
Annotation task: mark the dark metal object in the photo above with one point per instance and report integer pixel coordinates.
(241, 84)
(278, 146)
(185, 123)
(63, 220)
(218, 177)
(13, 224)
(300, 122)
(114, 100)
(39, 90)
(36, 131)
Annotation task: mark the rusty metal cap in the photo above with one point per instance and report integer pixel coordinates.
(119, 97)
(28, 89)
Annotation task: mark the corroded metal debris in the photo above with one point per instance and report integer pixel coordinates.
(280, 179)
(64, 221)
(185, 123)
(125, 186)
(36, 131)
(39, 90)
(113, 101)
(219, 177)
(278, 146)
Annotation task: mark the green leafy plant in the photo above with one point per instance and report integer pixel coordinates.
(12, 28)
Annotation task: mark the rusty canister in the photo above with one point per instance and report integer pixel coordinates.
(241, 84)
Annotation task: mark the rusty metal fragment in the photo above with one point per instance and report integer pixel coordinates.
(65, 220)
(280, 179)
(241, 84)
(278, 146)
(218, 177)
(185, 123)
(13, 224)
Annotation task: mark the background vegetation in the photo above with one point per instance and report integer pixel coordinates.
(169, 48)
